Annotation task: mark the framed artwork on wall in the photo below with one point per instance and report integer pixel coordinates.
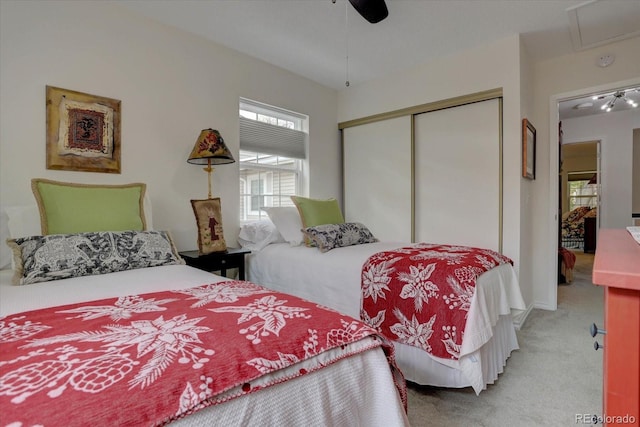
(83, 131)
(528, 150)
(209, 221)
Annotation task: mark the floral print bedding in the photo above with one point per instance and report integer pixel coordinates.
(573, 226)
(420, 295)
(152, 358)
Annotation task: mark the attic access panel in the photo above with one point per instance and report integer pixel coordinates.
(597, 22)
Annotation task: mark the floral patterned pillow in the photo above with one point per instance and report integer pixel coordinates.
(61, 256)
(331, 236)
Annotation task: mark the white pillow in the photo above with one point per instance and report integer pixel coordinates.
(287, 221)
(17, 221)
(5, 251)
(24, 221)
(146, 207)
(258, 234)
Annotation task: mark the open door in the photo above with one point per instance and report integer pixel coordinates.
(561, 277)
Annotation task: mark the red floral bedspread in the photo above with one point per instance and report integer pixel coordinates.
(420, 295)
(148, 359)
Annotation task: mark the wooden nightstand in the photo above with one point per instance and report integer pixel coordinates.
(218, 261)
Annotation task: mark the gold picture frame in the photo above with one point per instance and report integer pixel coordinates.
(208, 214)
(83, 131)
(528, 150)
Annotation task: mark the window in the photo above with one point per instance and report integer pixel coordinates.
(256, 185)
(581, 193)
(273, 147)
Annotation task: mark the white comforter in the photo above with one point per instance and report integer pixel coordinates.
(354, 391)
(333, 279)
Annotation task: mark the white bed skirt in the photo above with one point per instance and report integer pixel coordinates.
(478, 369)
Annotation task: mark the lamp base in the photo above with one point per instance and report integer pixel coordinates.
(208, 170)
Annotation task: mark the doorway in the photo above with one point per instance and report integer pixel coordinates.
(614, 217)
(578, 205)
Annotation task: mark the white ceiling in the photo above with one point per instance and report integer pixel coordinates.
(312, 38)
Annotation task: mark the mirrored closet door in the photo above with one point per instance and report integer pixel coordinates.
(457, 175)
(430, 174)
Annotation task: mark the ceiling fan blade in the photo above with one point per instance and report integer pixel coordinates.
(371, 10)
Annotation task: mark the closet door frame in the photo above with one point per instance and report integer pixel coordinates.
(434, 106)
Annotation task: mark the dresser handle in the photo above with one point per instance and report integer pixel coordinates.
(597, 346)
(595, 330)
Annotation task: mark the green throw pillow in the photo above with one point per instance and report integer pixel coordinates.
(318, 212)
(67, 208)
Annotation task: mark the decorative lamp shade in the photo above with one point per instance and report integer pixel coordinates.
(210, 149)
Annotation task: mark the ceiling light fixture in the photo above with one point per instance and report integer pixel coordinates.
(584, 106)
(621, 94)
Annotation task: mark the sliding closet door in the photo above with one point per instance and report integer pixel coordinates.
(377, 177)
(457, 175)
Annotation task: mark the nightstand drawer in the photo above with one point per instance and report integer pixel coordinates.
(217, 261)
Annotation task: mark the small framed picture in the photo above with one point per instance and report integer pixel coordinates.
(83, 131)
(528, 150)
(209, 220)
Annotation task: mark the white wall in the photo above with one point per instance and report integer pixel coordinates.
(527, 229)
(559, 77)
(615, 130)
(529, 224)
(171, 85)
(495, 65)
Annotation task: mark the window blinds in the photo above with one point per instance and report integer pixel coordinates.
(270, 139)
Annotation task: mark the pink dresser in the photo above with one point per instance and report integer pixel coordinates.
(617, 268)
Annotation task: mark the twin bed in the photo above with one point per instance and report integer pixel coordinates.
(447, 308)
(348, 386)
(334, 279)
(111, 328)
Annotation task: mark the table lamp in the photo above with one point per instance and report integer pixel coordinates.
(210, 149)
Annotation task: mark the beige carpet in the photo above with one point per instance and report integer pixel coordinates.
(554, 376)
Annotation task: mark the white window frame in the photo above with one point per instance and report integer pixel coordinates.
(263, 191)
(279, 117)
(591, 196)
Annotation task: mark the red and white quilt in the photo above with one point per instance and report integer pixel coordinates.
(420, 295)
(152, 358)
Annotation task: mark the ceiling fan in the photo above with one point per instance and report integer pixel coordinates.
(372, 10)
